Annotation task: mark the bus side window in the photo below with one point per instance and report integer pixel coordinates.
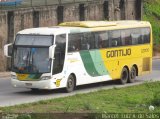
(136, 36)
(126, 37)
(101, 39)
(96, 35)
(85, 44)
(87, 41)
(115, 38)
(145, 35)
(104, 39)
(74, 42)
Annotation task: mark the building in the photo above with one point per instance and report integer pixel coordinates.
(11, 21)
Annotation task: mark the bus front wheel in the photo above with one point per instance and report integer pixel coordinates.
(70, 84)
(124, 76)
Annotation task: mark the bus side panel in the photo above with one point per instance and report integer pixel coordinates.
(91, 66)
(75, 66)
(116, 58)
(87, 67)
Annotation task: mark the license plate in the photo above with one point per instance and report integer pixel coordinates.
(28, 84)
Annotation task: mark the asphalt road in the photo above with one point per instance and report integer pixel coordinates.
(10, 96)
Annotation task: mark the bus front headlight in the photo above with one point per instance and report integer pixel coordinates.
(45, 77)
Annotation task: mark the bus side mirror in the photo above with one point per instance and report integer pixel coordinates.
(8, 50)
(51, 51)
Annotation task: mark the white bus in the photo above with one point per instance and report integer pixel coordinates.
(77, 53)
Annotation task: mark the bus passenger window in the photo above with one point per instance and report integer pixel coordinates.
(74, 42)
(98, 41)
(96, 35)
(114, 43)
(115, 38)
(126, 37)
(136, 36)
(101, 39)
(71, 48)
(145, 35)
(87, 41)
(85, 46)
(104, 40)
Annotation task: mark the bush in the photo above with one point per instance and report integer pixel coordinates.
(152, 14)
(156, 98)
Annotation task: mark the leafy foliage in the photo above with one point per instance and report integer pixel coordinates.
(152, 14)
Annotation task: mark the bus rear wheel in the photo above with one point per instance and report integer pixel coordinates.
(70, 84)
(124, 76)
(133, 73)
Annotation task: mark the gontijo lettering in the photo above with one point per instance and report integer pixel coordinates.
(118, 53)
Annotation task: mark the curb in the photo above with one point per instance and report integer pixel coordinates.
(156, 57)
(5, 74)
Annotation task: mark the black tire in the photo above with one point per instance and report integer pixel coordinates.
(133, 74)
(71, 84)
(124, 76)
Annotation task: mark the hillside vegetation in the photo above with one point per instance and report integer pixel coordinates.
(152, 14)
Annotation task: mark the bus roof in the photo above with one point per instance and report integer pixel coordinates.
(45, 31)
(85, 26)
(97, 24)
(89, 24)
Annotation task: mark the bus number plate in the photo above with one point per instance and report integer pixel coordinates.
(28, 84)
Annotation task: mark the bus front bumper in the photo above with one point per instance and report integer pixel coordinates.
(43, 84)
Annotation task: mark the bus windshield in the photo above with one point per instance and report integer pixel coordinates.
(31, 60)
(31, 54)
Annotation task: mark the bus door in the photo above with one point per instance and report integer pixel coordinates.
(59, 55)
